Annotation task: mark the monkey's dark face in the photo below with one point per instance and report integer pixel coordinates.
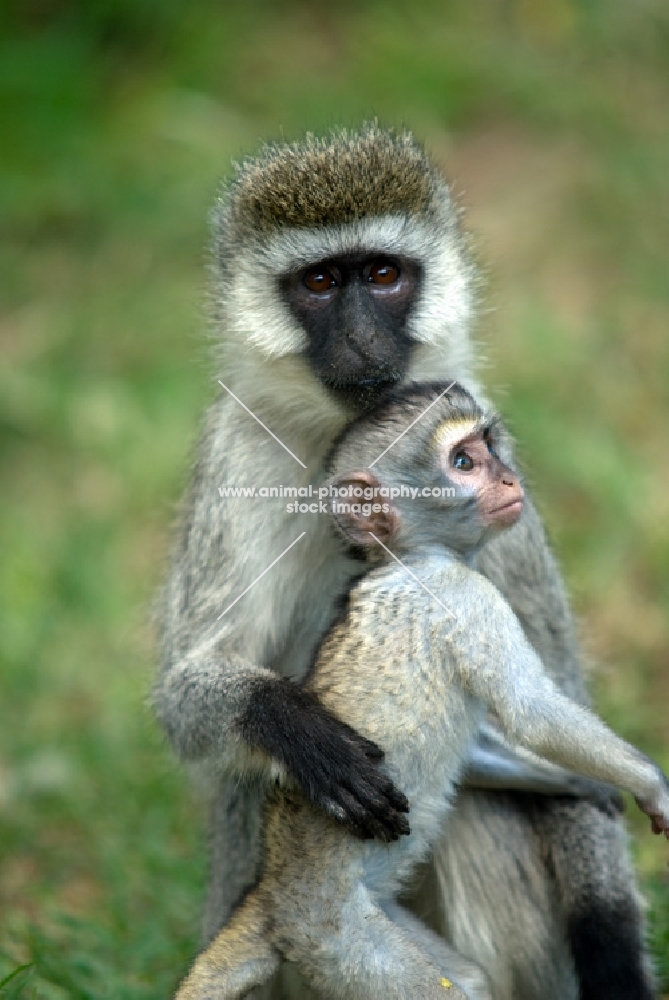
(355, 311)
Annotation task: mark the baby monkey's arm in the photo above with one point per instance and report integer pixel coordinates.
(494, 764)
(497, 664)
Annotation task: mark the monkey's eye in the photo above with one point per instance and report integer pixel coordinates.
(383, 272)
(319, 280)
(462, 462)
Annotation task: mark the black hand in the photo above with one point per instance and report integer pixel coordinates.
(336, 768)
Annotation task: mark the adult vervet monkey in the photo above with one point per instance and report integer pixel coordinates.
(339, 269)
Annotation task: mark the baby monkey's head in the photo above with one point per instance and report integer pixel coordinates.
(427, 466)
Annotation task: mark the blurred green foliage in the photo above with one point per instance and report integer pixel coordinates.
(118, 118)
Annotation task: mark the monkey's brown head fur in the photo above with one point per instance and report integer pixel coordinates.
(365, 193)
(339, 178)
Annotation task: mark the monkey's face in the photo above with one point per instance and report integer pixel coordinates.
(355, 309)
(476, 471)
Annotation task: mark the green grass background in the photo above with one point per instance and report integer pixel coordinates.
(117, 120)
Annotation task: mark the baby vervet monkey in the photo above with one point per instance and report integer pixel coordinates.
(424, 648)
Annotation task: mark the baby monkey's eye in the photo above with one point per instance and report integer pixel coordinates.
(462, 462)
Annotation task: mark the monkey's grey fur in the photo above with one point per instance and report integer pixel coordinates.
(415, 673)
(490, 894)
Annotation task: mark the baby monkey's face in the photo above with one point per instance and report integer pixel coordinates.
(471, 464)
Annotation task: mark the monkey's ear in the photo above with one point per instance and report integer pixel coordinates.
(353, 509)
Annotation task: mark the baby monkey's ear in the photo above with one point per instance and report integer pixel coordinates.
(358, 509)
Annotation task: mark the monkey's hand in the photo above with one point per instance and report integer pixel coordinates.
(657, 807)
(335, 767)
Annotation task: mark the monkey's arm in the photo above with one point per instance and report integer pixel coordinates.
(215, 695)
(494, 763)
(521, 565)
(497, 664)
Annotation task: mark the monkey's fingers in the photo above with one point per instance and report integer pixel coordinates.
(382, 797)
(397, 799)
(659, 818)
(379, 784)
(372, 805)
(660, 825)
(370, 750)
(383, 815)
(380, 806)
(339, 813)
(359, 821)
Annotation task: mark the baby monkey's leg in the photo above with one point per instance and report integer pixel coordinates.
(464, 973)
(370, 957)
(239, 958)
